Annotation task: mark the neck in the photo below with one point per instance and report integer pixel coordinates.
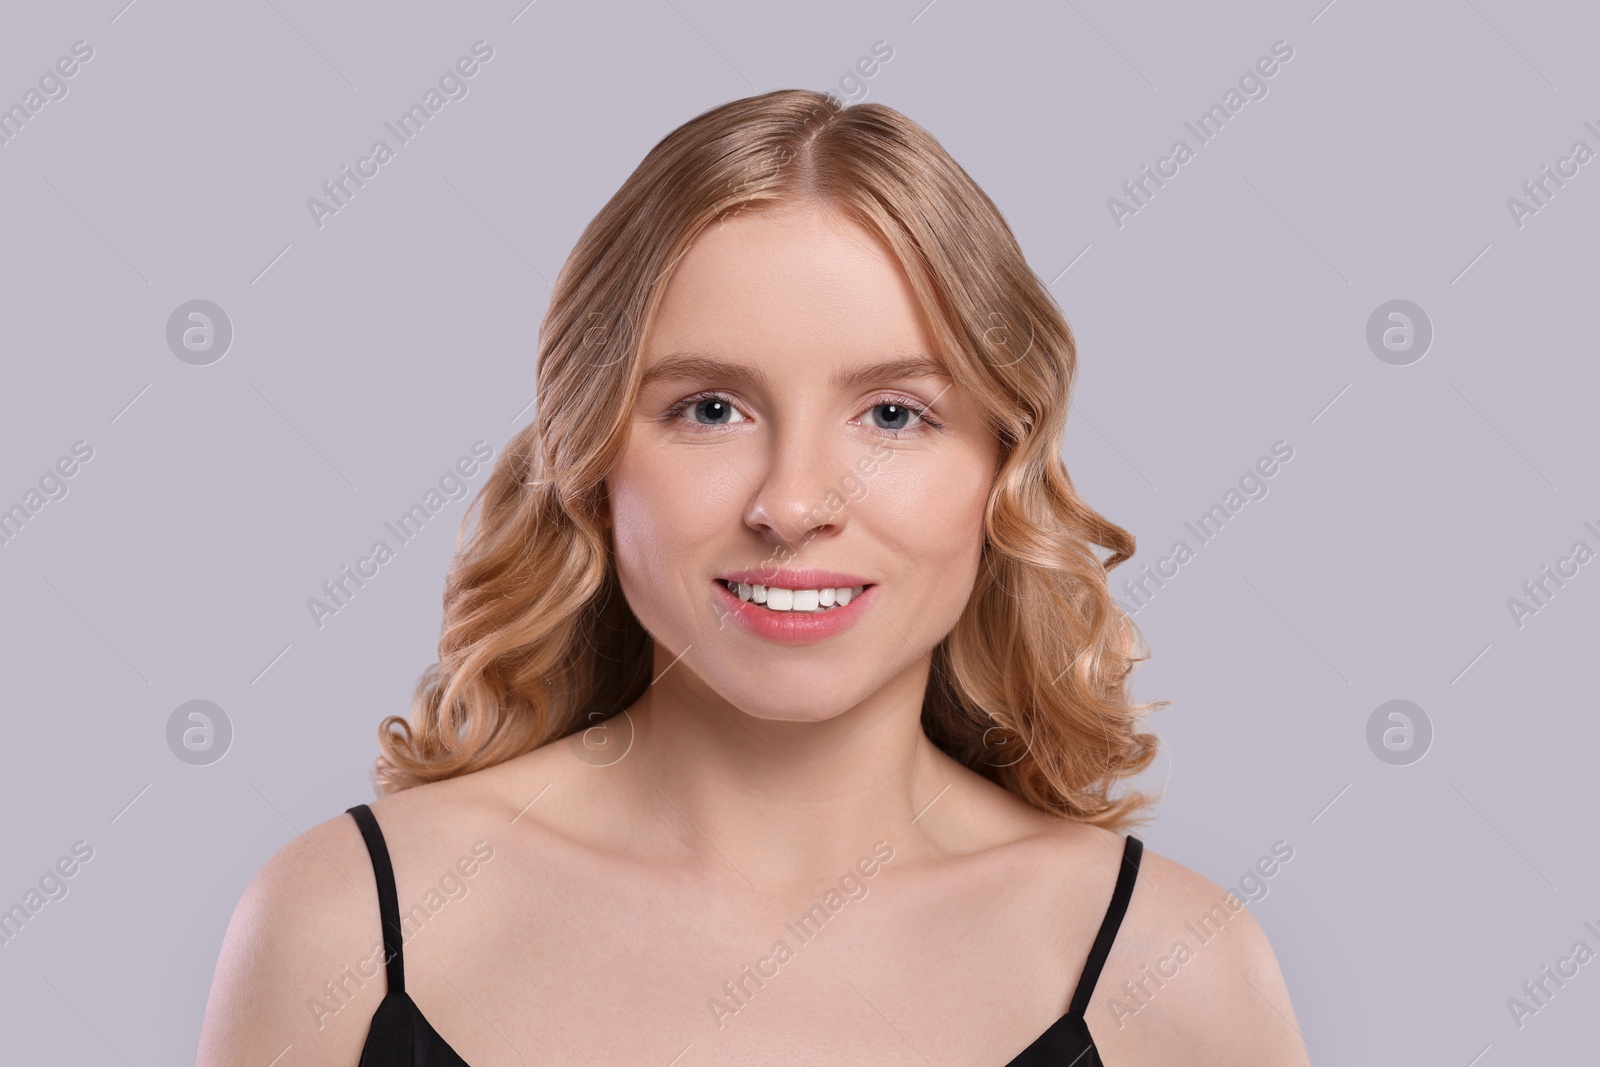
(782, 804)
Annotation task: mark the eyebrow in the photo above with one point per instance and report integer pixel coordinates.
(697, 365)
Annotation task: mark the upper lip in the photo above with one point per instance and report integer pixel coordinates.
(786, 578)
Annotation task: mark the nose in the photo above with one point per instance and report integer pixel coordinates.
(799, 496)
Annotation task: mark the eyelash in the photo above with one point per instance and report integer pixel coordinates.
(923, 416)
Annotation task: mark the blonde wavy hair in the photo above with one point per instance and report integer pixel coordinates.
(1030, 687)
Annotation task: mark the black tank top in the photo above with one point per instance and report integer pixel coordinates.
(401, 1037)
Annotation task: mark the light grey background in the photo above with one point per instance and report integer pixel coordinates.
(1228, 314)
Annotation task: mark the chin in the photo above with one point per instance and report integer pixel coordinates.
(799, 702)
(808, 714)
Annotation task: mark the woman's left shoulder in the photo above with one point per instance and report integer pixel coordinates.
(1193, 975)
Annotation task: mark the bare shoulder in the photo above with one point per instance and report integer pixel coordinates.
(302, 964)
(309, 912)
(1192, 978)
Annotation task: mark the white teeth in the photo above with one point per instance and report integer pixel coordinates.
(776, 598)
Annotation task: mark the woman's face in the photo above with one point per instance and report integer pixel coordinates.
(775, 436)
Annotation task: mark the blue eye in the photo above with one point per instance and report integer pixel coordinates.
(711, 411)
(714, 409)
(717, 410)
(897, 413)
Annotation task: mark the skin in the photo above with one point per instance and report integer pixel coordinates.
(637, 870)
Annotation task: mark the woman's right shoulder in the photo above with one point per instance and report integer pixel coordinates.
(309, 913)
(302, 962)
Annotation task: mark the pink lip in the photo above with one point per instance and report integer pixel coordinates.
(784, 578)
(797, 627)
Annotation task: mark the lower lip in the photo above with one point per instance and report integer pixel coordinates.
(794, 627)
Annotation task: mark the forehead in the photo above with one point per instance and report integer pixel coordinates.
(789, 282)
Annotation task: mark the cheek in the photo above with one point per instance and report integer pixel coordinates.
(934, 518)
(663, 515)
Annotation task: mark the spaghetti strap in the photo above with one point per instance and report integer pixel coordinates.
(388, 902)
(1127, 872)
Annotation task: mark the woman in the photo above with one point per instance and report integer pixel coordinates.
(781, 700)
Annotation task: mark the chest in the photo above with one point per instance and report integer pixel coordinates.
(684, 970)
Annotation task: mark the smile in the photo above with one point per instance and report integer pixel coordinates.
(778, 599)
